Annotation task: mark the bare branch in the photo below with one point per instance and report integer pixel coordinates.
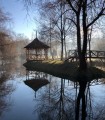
(96, 18)
(69, 2)
(72, 21)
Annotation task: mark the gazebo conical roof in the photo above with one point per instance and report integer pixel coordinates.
(36, 44)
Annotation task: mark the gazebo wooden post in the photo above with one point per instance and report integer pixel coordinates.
(47, 53)
(29, 58)
(41, 53)
(28, 54)
(36, 54)
(46, 56)
(42, 57)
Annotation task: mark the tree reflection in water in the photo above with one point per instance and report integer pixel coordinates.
(7, 72)
(62, 102)
(5, 89)
(55, 104)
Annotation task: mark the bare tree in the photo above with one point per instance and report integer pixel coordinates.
(86, 12)
(60, 24)
(83, 14)
(4, 18)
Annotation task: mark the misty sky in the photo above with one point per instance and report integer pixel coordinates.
(22, 22)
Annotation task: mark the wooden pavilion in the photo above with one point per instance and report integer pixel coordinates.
(36, 50)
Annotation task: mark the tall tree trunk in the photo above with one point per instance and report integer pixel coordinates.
(81, 96)
(84, 50)
(61, 31)
(65, 45)
(83, 64)
(79, 42)
(62, 45)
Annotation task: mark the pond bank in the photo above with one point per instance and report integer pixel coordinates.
(65, 70)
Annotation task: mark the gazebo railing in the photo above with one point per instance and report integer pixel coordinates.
(37, 57)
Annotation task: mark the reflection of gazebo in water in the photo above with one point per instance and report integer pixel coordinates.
(35, 75)
(36, 84)
(36, 50)
(36, 80)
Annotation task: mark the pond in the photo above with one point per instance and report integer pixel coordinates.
(32, 95)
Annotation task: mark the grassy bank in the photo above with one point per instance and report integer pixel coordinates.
(65, 70)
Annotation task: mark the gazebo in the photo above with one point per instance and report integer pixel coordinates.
(36, 50)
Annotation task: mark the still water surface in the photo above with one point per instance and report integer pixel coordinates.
(53, 101)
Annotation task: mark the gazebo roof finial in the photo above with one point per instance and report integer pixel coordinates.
(36, 33)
